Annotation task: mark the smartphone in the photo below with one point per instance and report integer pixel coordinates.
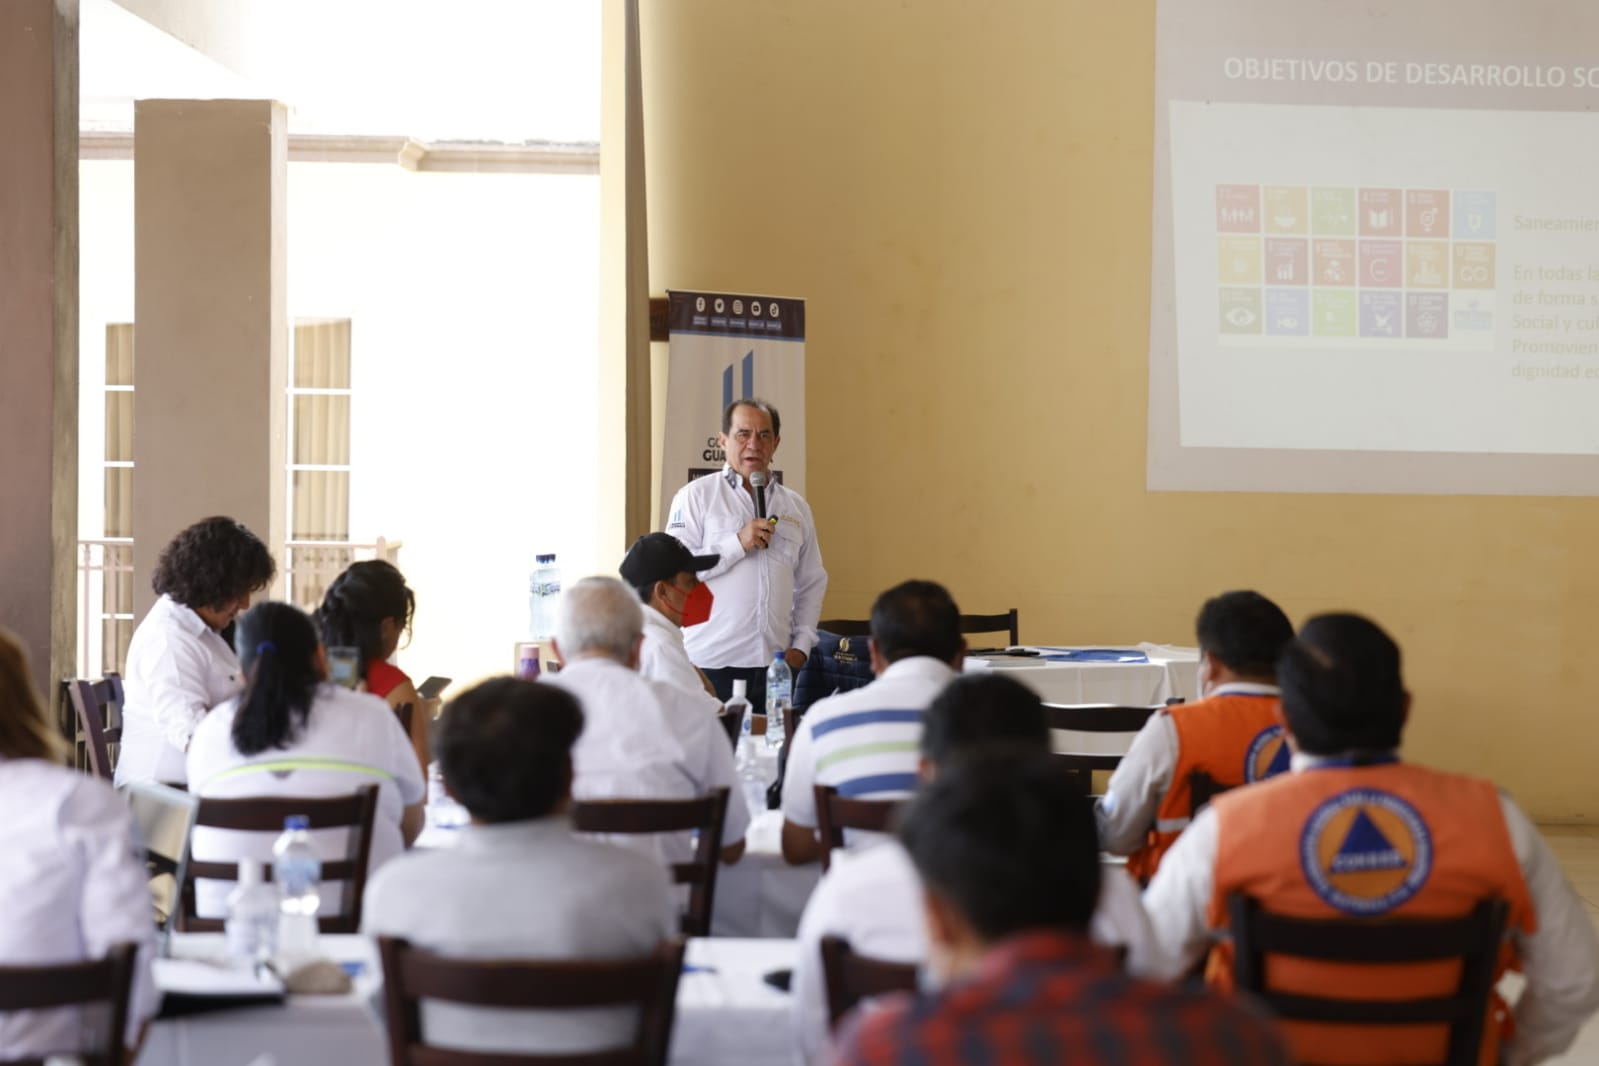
(779, 979)
(344, 666)
(430, 689)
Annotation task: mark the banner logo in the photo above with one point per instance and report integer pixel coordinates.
(1365, 852)
(748, 365)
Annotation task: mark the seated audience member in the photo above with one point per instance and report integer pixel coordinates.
(294, 733)
(73, 885)
(181, 661)
(872, 898)
(863, 742)
(519, 885)
(665, 576)
(642, 739)
(1007, 855)
(1232, 733)
(1352, 832)
(369, 607)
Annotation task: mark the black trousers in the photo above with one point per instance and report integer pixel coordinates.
(722, 679)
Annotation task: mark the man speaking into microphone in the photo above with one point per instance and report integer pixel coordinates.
(769, 581)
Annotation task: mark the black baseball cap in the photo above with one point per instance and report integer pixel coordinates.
(661, 557)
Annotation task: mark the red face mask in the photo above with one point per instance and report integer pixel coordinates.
(697, 605)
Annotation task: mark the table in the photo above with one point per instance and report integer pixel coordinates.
(726, 1015)
(761, 895)
(1171, 672)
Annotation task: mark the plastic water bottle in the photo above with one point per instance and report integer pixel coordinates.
(745, 760)
(252, 924)
(543, 597)
(779, 697)
(299, 875)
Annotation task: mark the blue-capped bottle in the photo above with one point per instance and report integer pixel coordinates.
(779, 697)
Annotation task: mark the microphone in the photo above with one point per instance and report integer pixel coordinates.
(758, 483)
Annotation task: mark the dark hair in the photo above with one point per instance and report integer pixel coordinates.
(759, 405)
(277, 648)
(505, 747)
(26, 731)
(355, 605)
(916, 618)
(983, 709)
(1006, 839)
(1245, 632)
(213, 562)
(1342, 689)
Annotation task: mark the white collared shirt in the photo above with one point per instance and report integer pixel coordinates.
(872, 897)
(523, 890)
(1560, 960)
(73, 884)
(767, 599)
(178, 669)
(649, 740)
(662, 657)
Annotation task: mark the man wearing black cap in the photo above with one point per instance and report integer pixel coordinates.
(664, 574)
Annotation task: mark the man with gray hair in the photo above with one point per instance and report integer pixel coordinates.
(641, 739)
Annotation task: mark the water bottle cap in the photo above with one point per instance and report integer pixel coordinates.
(777, 656)
(544, 559)
(741, 688)
(297, 821)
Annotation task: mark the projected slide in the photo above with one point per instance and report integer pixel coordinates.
(1375, 269)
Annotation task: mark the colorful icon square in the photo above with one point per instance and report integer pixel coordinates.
(1427, 264)
(1238, 208)
(1427, 314)
(1333, 262)
(1287, 261)
(1333, 212)
(1474, 265)
(1287, 209)
(1380, 314)
(1475, 219)
(1381, 265)
(1240, 311)
(1472, 312)
(1380, 213)
(1288, 312)
(1335, 313)
(1238, 260)
(1427, 213)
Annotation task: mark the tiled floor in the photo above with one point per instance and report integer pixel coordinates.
(1577, 848)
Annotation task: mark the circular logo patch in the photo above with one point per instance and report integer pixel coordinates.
(1365, 852)
(1268, 755)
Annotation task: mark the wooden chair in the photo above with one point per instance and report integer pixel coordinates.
(1094, 718)
(1202, 788)
(703, 815)
(835, 813)
(265, 815)
(847, 627)
(92, 701)
(1473, 939)
(993, 623)
(411, 974)
(106, 980)
(850, 977)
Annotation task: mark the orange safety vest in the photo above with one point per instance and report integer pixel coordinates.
(1236, 738)
(1375, 841)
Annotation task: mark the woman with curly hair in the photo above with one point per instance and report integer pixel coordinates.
(180, 664)
(369, 607)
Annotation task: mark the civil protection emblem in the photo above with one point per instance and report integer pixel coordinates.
(1365, 852)
(1268, 755)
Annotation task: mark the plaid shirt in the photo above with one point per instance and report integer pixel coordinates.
(1050, 997)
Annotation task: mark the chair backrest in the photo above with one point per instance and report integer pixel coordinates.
(165, 819)
(265, 814)
(411, 974)
(1473, 939)
(106, 980)
(1202, 788)
(993, 623)
(846, 627)
(835, 813)
(850, 977)
(704, 816)
(1094, 718)
(92, 702)
(838, 663)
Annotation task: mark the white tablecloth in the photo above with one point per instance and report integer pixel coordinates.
(726, 1015)
(761, 895)
(1171, 672)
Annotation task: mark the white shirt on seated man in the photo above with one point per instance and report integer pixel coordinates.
(520, 885)
(666, 577)
(872, 896)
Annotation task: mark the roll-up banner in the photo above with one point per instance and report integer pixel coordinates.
(724, 347)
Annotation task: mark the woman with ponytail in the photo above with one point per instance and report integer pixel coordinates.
(369, 608)
(291, 732)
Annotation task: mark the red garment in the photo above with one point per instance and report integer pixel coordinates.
(383, 677)
(1049, 997)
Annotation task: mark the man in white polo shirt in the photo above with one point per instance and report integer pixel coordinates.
(666, 577)
(769, 580)
(864, 742)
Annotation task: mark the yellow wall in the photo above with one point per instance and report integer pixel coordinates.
(961, 190)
